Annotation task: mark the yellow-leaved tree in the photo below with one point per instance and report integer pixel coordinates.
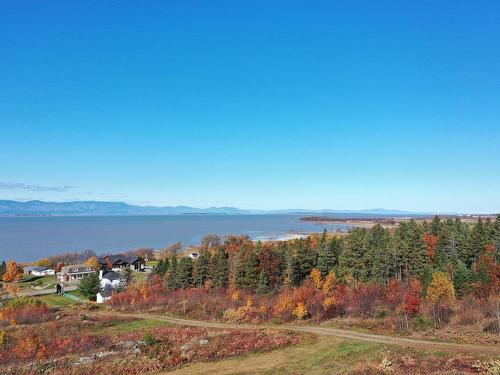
(301, 311)
(93, 262)
(440, 293)
(317, 278)
(440, 289)
(330, 283)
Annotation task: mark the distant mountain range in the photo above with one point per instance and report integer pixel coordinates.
(95, 208)
(8, 207)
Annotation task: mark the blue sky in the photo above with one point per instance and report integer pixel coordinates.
(250, 104)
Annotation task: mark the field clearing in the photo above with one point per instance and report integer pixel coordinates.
(331, 355)
(135, 325)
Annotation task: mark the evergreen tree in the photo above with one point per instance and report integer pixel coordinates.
(238, 268)
(3, 268)
(377, 257)
(171, 275)
(161, 268)
(304, 258)
(463, 279)
(220, 268)
(252, 271)
(397, 247)
(263, 286)
(351, 259)
(90, 285)
(477, 243)
(496, 238)
(322, 254)
(185, 273)
(201, 269)
(435, 226)
(415, 259)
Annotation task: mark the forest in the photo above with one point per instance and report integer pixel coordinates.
(417, 276)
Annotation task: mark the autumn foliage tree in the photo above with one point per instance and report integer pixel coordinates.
(93, 262)
(440, 293)
(13, 272)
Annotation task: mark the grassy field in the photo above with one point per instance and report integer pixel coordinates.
(331, 355)
(133, 326)
(55, 300)
(41, 281)
(324, 355)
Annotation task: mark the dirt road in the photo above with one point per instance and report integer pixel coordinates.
(326, 331)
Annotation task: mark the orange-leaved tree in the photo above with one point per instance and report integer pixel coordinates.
(317, 278)
(13, 271)
(431, 242)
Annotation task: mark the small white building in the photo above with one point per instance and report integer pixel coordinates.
(110, 281)
(112, 278)
(38, 271)
(104, 294)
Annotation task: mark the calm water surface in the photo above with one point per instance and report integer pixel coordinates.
(29, 238)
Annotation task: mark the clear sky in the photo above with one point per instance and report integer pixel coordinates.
(254, 104)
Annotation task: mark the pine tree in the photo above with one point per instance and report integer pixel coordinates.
(435, 226)
(477, 243)
(252, 270)
(415, 258)
(304, 258)
(201, 268)
(90, 285)
(3, 268)
(463, 279)
(351, 259)
(496, 238)
(322, 253)
(377, 256)
(219, 272)
(171, 275)
(185, 273)
(238, 268)
(161, 268)
(263, 286)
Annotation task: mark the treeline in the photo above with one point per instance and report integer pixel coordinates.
(467, 254)
(57, 261)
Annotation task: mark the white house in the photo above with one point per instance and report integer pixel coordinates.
(110, 281)
(104, 294)
(112, 278)
(38, 271)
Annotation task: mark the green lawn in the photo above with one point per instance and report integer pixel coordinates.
(55, 300)
(26, 281)
(152, 263)
(77, 293)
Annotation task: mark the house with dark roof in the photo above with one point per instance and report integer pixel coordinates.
(118, 262)
(115, 279)
(110, 282)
